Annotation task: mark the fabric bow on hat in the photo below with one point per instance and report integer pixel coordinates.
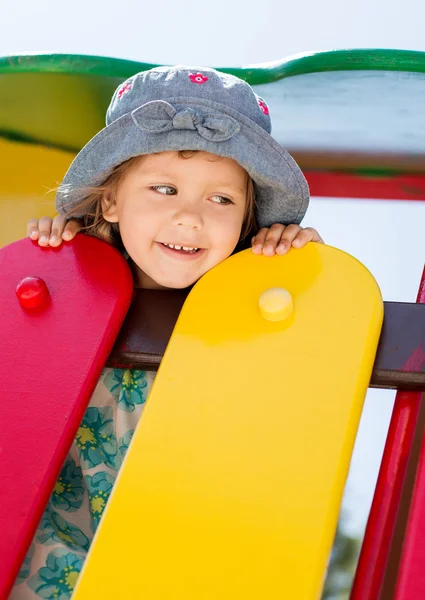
(159, 116)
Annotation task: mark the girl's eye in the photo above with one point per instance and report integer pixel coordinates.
(221, 200)
(167, 190)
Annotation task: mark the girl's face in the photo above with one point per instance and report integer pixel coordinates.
(179, 217)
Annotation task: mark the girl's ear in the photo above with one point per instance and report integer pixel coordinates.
(109, 209)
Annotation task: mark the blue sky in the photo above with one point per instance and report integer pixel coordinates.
(386, 236)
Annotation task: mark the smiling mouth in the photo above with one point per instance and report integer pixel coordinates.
(182, 249)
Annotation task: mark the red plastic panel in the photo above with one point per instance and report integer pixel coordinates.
(52, 351)
(347, 185)
(376, 545)
(411, 576)
(379, 533)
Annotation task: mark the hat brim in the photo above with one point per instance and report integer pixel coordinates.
(282, 193)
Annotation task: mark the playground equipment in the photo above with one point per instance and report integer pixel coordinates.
(229, 508)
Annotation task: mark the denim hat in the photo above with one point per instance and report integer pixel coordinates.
(192, 108)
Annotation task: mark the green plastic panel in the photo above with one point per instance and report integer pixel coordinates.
(343, 109)
(299, 64)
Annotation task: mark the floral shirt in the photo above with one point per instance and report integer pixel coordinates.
(63, 537)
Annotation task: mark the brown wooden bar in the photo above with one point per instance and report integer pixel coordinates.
(399, 363)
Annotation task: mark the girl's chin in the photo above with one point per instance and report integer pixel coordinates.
(163, 281)
(173, 283)
(175, 276)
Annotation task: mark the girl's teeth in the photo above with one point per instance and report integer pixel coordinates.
(185, 248)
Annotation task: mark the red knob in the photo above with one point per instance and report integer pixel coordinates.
(32, 292)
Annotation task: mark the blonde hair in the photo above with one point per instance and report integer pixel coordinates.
(96, 225)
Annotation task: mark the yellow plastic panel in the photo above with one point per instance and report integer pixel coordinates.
(232, 484)
(28, 172)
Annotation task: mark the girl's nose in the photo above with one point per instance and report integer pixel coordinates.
(188, 218)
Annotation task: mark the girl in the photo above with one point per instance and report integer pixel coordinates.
(183, 173)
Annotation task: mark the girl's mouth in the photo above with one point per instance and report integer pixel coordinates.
(182, 252)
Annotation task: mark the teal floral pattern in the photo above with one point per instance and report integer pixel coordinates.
(25, 569)
(95, 439)
(99, 486)
(58, 578)
(129, 387)
(68, 492)
(53, 529)
(63, 537)
(124, 442)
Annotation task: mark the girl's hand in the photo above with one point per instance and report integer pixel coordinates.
(51, 232)
(279, 238)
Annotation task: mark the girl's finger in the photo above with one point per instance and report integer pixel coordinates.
(316, 235)
(72, 227)
(296, 236)
(257, 242)
(32, 229)
(302, 238)
(306, 235)
(57, 227)
(273, 239)
(44, 230)
(287, 238)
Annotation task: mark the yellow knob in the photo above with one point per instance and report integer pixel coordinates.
(276, 304)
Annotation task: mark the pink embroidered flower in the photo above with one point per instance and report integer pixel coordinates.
(124, 89)
(263, 106)
(198, 78)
